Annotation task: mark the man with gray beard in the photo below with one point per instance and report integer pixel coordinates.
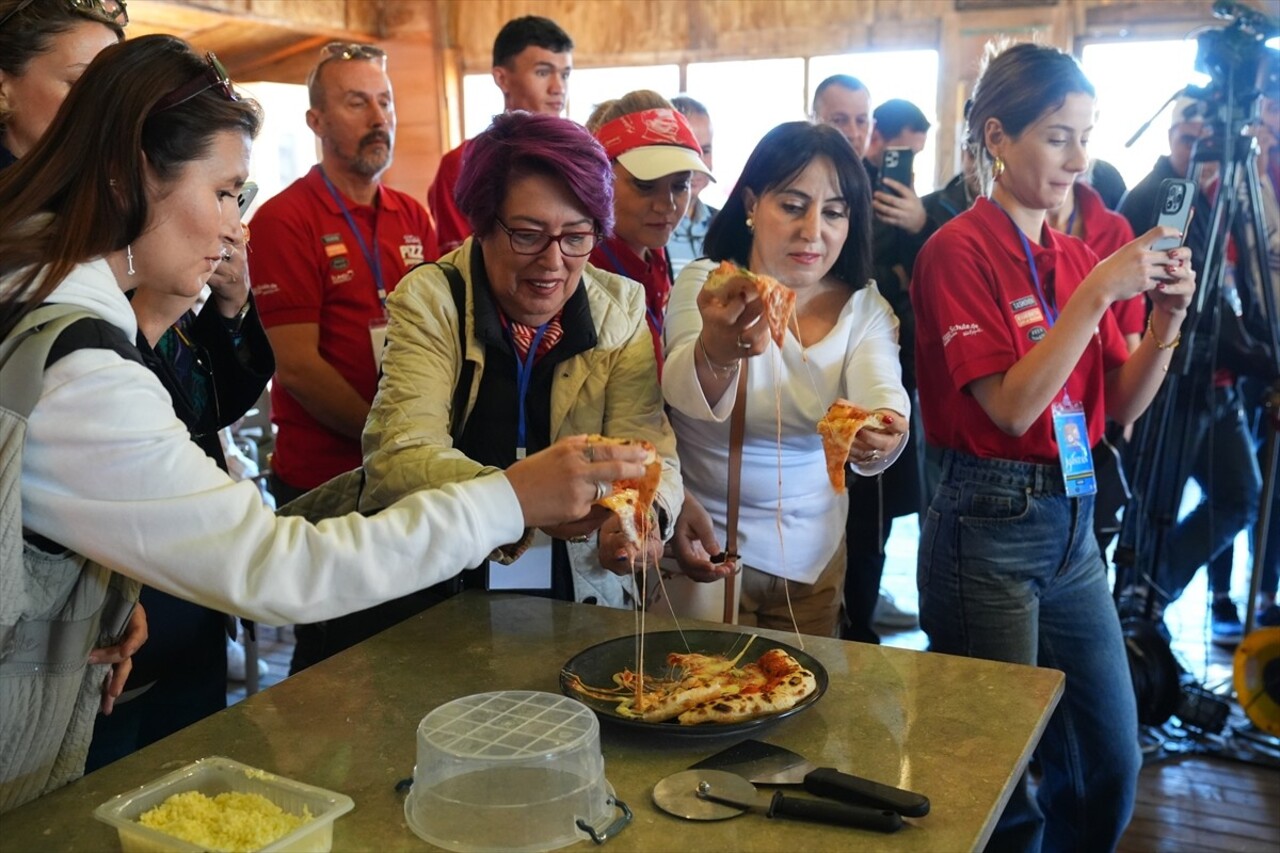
(326, 252)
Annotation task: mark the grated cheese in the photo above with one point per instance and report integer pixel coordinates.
(231, 821)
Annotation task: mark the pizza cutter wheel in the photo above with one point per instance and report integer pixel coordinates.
(677, 794)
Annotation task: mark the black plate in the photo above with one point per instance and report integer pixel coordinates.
(597, 665)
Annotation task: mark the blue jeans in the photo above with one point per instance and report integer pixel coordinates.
(1224, 465)
(1009, 570)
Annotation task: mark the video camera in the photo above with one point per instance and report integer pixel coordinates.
(1237, 60)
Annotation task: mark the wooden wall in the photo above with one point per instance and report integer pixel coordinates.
(433, 43)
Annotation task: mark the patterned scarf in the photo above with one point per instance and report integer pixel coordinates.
(522, 336)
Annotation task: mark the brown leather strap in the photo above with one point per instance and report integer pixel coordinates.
(737, 430)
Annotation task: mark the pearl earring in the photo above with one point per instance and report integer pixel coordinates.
(751, 225)
(129, 256)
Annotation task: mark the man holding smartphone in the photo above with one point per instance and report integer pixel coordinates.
(899, 134)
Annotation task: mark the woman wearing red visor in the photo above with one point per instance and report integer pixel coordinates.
(654, 155)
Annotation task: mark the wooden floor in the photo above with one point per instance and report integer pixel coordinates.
(1186, 802)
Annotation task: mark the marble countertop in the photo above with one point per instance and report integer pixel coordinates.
(958, 731)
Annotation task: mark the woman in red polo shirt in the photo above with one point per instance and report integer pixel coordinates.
(654, 155)
(1016, 351)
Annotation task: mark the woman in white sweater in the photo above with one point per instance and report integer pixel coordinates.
(800, 213)
(148, 200)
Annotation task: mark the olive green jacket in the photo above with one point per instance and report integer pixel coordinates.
(611, 389)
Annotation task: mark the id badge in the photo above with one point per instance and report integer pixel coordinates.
(378, 339)
(531, 570)
(1072, 432)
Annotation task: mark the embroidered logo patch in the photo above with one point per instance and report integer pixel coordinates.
(1037, 333)
(343, 277)
(1026, 318)
(339, 263)
(411, 253)
(1020, 304)
(329, 239)
(335, 249)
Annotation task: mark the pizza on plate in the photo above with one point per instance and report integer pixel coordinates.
(710, 689)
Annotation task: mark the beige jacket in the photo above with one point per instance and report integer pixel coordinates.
(611, 389)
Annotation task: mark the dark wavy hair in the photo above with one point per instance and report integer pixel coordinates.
(518, 144)
(783, 153)
(1018, 85)
(80, 193)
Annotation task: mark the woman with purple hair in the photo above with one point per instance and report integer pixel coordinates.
(513, 340)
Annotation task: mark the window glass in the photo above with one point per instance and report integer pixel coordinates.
(481, 101)
(1132, 80)
(591, 86)
(285, 148)
(746, 99)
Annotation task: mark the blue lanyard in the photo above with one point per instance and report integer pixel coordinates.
(1050, 311)
(371, 258)
(655, 322)
(524, 373)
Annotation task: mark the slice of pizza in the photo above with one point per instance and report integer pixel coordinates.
(775, 683)
(631, 500)
(779, 300)
(838, 428)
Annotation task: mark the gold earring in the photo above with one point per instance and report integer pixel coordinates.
(997, 169)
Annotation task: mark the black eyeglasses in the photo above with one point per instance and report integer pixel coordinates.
(353, 50)
(214, 77)
(107, 11)
(527, 241)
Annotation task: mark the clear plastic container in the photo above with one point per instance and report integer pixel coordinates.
(217, 775)
(512, 770)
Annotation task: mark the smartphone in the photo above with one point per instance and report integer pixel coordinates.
(897, 165)
(1174, 204)
(247, 194)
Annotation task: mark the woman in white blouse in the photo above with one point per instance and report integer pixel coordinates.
(801, 214)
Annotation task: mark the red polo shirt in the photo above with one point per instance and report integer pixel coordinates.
(654, 274)
(307, 267)
(1105, 231)
(451, 226)
(977, 314)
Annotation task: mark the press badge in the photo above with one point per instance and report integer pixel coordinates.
(378, 339)
(1072, 432)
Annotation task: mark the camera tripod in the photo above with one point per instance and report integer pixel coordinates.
(1166, 438)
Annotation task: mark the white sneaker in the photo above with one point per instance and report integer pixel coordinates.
(235, 662)
(889, 615)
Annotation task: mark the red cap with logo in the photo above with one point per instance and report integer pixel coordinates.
(653, 143)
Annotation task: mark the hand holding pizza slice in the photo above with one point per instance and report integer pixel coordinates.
(729, 281)
(632, 500)
(840, 427)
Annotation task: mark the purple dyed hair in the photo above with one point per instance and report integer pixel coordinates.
(519, 144)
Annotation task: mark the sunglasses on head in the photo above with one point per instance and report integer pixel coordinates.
(214, 77)
(107, 11)
(353, 50)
